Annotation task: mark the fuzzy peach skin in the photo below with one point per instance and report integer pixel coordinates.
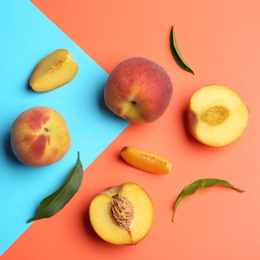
(40, 137)
(138, 90)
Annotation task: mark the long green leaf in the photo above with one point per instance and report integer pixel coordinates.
(57, 200)
(176, 53)
(200, 184)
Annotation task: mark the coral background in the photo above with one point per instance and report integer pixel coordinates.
(221, 42)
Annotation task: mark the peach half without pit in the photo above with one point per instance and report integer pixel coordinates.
(122, 215)
(216, 115)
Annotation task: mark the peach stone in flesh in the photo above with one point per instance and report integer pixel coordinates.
(122, 215)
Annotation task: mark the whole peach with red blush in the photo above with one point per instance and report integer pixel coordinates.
(138, 90)
(40, 137)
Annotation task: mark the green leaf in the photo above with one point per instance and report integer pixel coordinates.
(176, 53)
(200, 184)
(57, 200)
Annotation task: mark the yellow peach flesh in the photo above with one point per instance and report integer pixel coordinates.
(107, 228)
(145, 161)
(217, 115)
(53, 71)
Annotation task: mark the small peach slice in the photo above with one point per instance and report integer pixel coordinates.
(145, 161)
(53, 71)
(122, 215)
(217, 115)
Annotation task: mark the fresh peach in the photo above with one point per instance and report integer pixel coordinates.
(122, 215)
(217, 115)
(138, 90)
(145, 161)
(40, 137)
(55, 70)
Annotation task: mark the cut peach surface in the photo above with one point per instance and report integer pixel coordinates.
(217, 115)
(53, 71)
(145, 161)
(122, 214)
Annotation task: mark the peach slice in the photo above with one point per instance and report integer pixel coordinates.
(145, 161)
(216, 115)
(122, 215)
(53, 71)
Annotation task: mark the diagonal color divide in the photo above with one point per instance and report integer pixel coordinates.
(27, 36)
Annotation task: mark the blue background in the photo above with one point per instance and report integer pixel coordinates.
(27, 36)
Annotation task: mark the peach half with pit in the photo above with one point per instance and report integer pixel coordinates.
(40, 137)
(217, 116)
(123, 214)
(138, 90)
